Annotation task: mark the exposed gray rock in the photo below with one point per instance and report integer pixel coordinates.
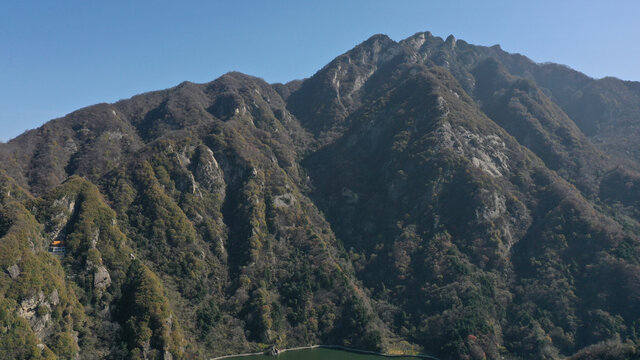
(451, 41)
(37, 311)
(105, 312)
(272, 351)
(95, 238)
(54, 298)
(113, 135)
(65, 207)
(41, 324)
(487, 152)
(496, 208)
(167, 355)
(101, 278)
(28, 306)
(208, 173)
(284, 200)
(13, 271)
(71, 146)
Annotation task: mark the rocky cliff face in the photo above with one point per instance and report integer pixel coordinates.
(423, 194)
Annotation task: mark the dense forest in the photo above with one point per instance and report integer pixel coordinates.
(422, 196)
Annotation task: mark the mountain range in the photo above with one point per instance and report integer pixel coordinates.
(421, 196)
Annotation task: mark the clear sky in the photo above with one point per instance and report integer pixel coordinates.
(58, 56)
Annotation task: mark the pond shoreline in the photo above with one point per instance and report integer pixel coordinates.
(335, 347)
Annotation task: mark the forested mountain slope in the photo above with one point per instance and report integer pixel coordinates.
(424, 194)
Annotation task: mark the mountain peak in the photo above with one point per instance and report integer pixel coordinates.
(451, 40)
(379, 38)
(426, 194)
(420, 39)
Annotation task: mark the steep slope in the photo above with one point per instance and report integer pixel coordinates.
(606, 110)
(87, 142)
(522, 109)
(324, 101)
(461, 229)
(215, 240)
(426, 195)
(39, 312)
(504, 84)
(545, 107)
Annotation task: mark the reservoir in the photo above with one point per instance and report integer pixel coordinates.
(321, 354)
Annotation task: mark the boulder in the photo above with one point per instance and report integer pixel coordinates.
(101, 278)
(13, 271)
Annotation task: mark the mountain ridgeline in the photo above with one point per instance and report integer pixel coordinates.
(422, 196)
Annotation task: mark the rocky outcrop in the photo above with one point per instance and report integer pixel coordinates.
(13, 271)
(36, 309)
(208, 173)
(272, 351)
(64, 208)
(54, 298)
(101, 278)
(284, 200)
(487, 152)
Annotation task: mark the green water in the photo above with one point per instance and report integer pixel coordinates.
(320, 354)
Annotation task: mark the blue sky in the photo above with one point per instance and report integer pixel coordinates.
(58, 56)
